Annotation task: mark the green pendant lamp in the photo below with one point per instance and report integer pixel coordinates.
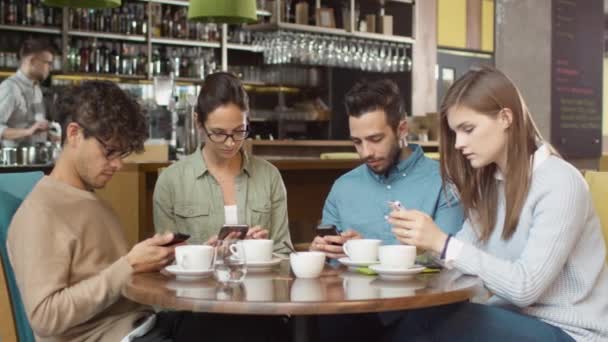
(223, 11)
(83, 3)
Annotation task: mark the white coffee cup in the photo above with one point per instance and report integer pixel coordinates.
(307, 290)
(362, 250)
(307, 264)
(397, 256)
(194, 257)
(258, 250)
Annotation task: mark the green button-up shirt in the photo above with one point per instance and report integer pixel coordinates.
(188, 199)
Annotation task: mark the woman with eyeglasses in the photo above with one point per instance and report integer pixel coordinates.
(220, 183)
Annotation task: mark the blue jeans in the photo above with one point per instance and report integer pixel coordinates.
(456, 322)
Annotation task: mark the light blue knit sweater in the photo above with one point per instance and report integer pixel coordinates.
(554, 266)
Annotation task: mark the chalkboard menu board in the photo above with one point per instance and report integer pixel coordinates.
(576, 77)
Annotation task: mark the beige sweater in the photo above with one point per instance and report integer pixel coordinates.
(67, 249)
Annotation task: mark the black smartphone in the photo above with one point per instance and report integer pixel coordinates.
(177, 238)
(327, 229)
(241, 229)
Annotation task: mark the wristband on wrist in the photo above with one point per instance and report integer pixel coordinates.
(445, 247)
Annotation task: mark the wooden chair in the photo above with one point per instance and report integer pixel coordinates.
(598, 186)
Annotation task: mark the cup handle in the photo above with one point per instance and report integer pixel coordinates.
(234, 250)
(345, 248)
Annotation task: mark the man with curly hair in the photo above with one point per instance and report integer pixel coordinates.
(68, 249)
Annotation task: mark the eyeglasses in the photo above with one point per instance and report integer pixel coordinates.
(112, 153)
(109, 153)
(238, 135)
(49, 63)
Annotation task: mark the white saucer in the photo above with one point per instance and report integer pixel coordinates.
(257, 266)
(353, 265)
(188, 274)
(390, 273)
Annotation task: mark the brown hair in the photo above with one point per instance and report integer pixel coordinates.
(35, 46)
(489, 91)
(220, 89)
(104, 111)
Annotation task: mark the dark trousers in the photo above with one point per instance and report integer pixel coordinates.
(181, 326)
(456, 322)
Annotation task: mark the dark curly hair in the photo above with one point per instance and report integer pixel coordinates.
(104, 111)
(384, 95)
(219, 89)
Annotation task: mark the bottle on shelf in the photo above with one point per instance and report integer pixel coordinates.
(129, 19)
(114, 60)
(11, 12)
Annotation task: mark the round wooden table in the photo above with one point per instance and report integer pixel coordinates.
(278, 292)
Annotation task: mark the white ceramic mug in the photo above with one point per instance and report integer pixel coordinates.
(258, 250)
(397, 256)
(307, 264)
(362, 250)
(194, 257)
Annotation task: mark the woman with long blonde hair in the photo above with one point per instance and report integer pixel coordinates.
(531, 233)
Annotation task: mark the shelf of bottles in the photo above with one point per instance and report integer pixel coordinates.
(188, 64)
(29, 16)
(100, 56)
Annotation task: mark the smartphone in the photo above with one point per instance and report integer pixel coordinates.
(395, 205)
(241, 229)
(177, 238)
(327, 229)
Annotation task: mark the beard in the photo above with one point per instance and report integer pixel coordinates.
(392, 158)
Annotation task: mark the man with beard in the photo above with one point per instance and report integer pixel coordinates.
(358, 202)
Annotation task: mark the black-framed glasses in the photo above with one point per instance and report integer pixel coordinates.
(112, 153)
(237, 135)
(109, 153)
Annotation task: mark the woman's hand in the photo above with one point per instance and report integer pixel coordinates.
(257, 232)
(416, 228)
(212, 241)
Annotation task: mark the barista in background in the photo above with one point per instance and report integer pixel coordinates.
(22, 112)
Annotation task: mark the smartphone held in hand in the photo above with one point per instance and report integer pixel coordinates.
(327, 229)
(395, 205)
(239, 230)
(177, 238)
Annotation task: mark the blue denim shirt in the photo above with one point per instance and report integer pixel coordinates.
(358, 199)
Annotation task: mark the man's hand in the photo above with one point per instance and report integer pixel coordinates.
(257, 232)
(38, 126)
(332, 244)
(149, 255)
